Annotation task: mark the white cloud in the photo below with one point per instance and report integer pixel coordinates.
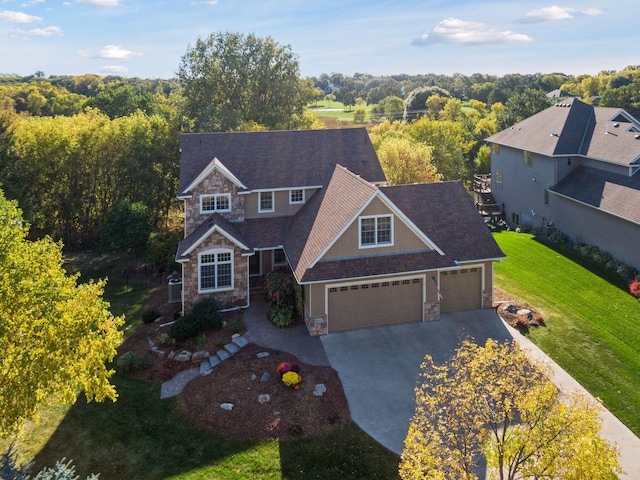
(84, 53)
(116, 51)
(31, 3)
(114, 69)
(101, 3)
(461, 32)
(205, 2)
(18, 17)
(44, 32)
(555, 13)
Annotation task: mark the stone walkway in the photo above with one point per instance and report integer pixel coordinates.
(174, 387)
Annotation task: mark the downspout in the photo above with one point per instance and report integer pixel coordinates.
(239, 307)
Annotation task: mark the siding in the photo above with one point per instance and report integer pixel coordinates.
(404, 240)
(282, 206)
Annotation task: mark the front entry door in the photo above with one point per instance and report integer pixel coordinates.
(255, 264)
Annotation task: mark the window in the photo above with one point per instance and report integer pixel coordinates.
(216, 270)
(515, 218)
(495, 148)
(569, 161)
(376, 231)
(546, 197)
(265, 202)
(498, 178)
(296, 196)
(527, 158)
(215, 203)
(279, 258)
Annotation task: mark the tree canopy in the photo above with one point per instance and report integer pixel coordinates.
(55, 334)
(232, 78)
(494, 402)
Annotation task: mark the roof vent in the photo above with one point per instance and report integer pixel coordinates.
(636, 136)
(616, 125)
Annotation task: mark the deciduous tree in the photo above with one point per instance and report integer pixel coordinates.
(406, 161)
(55, 334)
(231, 78)
(494, 402)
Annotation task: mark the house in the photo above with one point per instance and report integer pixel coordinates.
(573, 167)
(316, 202)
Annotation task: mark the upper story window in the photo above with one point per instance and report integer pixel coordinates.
(527, 158)
(215, 270)
(215, 203)
(498, 180)
(265, 202)
(279, 258)
(376, 231)
(296, 196)
(495, 148)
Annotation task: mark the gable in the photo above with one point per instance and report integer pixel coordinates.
(404, 238)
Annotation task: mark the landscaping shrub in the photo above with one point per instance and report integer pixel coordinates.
(558, 238)
(634, 288)
(130, 361)
(149, 316)
(626, 271)
(281, 292)
(204, 316)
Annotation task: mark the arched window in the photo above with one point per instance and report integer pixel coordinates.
(215, 270)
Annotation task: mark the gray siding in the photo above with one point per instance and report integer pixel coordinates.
(593, 227)
(523, 186)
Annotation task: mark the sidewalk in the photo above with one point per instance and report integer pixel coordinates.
(612, 429)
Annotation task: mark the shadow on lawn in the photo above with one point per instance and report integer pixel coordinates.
(143, 437)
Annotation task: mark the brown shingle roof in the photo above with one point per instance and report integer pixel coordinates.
(445, 213)
(572, 127)
(200, 233)
(324, 217)
(280, 159)
(611, 193)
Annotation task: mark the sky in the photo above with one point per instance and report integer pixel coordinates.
(147, 39)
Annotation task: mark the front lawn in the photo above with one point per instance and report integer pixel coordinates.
(592, 323)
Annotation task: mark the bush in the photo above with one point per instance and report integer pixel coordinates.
(634, 288)
(281, 316)
(149, 316)
(131, 361)
(626, 271)
(204, 316)
(558, 238)
(283, 296)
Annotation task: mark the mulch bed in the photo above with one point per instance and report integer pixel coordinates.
(520, 322)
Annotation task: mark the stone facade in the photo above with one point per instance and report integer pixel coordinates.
(317, 325)
(487, 298)
(214, 183)
(431, 311)
(239, 295)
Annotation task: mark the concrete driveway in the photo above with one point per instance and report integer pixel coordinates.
(379, 366)
(379, 370)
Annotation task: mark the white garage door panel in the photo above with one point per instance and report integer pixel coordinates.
(374, 304)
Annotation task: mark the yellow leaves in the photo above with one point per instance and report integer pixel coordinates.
(55, 335)
(495, 401)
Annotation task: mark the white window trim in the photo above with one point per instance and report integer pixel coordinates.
(211, 252)
(376, 244)
(291, 202)
(273, 258)
(215, 197)
(273, 202)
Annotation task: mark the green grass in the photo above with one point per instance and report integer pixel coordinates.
(143, 437)
(336, 110)
(592, 323)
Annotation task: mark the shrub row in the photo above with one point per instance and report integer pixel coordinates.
(204, 316)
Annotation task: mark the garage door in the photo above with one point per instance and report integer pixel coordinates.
(461, 289)
(373, 304)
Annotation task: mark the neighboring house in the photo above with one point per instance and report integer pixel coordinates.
(573, 167)
(315, 202)
(557, 94)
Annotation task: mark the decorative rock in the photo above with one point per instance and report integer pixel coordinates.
(157, 351)
(231, 348)
(183, 356)
(319, 389)
(264, 398)
(226, 406)
(265, 377)
(223, 354)
(253, 376)
(510, 308)
(240, 341)
(200, 356)
(171, 355)
(214, 360)
(235, 335)
(205, 368)
(525, 312)
(262, 354)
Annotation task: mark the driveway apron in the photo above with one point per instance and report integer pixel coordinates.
(379, 366)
